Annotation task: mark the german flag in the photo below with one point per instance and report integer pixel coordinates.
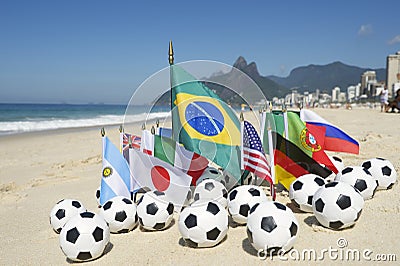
(291, 162)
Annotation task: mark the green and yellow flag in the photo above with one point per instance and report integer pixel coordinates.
(204, 123)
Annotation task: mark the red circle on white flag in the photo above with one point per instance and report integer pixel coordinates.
(160, 178)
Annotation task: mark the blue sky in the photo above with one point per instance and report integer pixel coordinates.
(101, 51)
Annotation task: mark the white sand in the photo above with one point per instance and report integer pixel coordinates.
(39, 169)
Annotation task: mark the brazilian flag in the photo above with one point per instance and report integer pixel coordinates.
(204, 123)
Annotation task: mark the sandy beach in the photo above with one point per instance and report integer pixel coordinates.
(39, 169)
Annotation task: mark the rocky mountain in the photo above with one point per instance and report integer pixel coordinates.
(325, 77)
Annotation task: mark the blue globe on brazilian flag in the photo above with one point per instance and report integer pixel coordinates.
(204, 123)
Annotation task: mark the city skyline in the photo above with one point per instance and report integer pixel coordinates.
(95, 51)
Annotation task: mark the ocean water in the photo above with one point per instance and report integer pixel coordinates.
(20, 118)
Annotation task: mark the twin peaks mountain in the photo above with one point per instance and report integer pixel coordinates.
(305, 78)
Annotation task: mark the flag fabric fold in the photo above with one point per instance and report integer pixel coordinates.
(155, 174)
(253, 156)
(116, 178)
(335, 139)
(204, 123)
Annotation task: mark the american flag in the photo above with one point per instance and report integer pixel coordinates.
(254, 159)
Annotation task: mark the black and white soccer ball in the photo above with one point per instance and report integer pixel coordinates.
(211, 173)
(203, 224)
(241, 199)
(302, 190)
(383, 171)
(120, 214)
(98, 196)
(84, 237)
(210, 189)
(272, 227)
(155, 212)
(64, 210)
(360, 178)
(337, 205)
(337, 162)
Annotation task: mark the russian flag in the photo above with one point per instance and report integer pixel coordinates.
(335, 139)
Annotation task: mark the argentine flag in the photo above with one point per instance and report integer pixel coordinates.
(116, 178)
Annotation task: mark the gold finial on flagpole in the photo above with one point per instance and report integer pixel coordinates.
(241, 117)
(102, 132)
(153, 130)
(158, 123)
(143, 126)
(171, 53)
(270, 106)
(121, 129)
(284, 108)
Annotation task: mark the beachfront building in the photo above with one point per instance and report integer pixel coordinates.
(393, 73)
(368, 79)
(335, 94)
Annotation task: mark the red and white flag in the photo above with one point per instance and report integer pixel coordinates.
(155, 174)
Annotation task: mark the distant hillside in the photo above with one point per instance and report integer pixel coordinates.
(311, 77)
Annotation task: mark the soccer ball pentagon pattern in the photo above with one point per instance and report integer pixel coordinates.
(155, 212)
(272, 227)
(302, 190)
(64, 210)
(210, 189)
(383, 171)
(98, 196)
(203, 224)
(337, 162)
(120, 214)
(210, 173)
(84, 237)
(360, 178)
(337, 205)
(241, 199)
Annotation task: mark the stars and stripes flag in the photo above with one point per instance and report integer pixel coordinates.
(253, 156)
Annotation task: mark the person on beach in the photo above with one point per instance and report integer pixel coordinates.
(384, 98)
(395, 104)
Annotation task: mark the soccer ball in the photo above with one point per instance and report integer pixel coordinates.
(337, 205)
(155, 212)
(120, 214)
(272, 227)
(63, 211)
(383, 171)
(337, 162)
(360, 178)
(98, 196)
(241, 199)
(210, 173)
(302, 190)
(203, 224)
(84, 237)
(210, 189)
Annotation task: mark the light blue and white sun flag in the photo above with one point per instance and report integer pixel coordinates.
(116, 177)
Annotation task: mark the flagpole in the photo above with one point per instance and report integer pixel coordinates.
(171, 62)
(241, 146)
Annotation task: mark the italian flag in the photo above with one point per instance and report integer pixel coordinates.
(170, 151)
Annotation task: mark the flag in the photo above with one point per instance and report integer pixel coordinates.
(116, 180)
(311, 142)
(155, 174)
(204, 123)
(335, 139)
(163, 131)
(147, 144)
(172, 152)
(253, 156)
(128, 140)
(291, 162)
(274, 121)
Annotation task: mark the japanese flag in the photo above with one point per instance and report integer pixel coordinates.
(155, 174)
